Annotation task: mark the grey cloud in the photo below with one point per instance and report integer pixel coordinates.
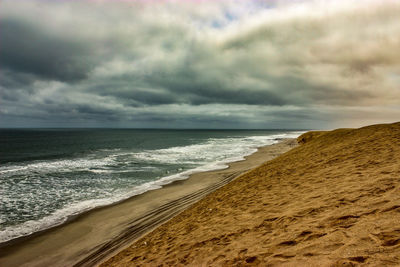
(27, 49)
(10, 80)
(136, 63)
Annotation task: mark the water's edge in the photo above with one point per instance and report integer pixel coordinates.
(104, 203)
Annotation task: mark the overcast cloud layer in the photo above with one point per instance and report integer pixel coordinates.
(199, 64)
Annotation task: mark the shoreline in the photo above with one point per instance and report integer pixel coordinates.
(116, 228)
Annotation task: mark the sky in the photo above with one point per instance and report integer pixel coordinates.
(292, 64)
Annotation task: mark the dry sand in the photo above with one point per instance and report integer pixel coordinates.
(98, 234)
(333, 201)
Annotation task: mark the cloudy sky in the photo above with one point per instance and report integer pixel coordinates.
(199, 64)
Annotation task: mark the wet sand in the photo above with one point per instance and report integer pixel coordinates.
(98, 234)
(334, 200)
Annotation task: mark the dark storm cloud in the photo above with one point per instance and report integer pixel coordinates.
(191, 87)
(28, 49)
(180, 64)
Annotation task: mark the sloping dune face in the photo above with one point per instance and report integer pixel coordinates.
(332, 201)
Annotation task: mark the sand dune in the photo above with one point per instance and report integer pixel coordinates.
(332, 201)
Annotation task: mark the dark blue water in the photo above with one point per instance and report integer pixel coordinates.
(48, 175)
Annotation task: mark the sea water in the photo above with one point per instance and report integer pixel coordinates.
(49, 175)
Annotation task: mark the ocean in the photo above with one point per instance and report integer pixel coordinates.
(49, 175)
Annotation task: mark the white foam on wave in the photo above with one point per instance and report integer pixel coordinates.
(62, 215)
(223, 164)
(66, 165)
(213, 154)
(214, 149)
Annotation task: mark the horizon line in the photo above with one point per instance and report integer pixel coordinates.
(150, 128)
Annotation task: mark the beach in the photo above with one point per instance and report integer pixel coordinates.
(96, 235)
(199, 133)
(334, 200)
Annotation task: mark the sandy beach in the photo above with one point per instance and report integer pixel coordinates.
(332, 201)
(98, 234)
